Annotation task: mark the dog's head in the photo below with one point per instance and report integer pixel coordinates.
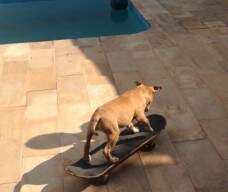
(148, 92)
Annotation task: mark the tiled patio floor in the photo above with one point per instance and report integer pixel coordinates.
(48, 91)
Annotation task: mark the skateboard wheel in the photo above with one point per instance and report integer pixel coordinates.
(148, 147)
(102, 180)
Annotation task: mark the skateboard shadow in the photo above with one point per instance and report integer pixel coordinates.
(40, 174)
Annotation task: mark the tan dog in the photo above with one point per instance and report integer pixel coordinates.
(119, 113)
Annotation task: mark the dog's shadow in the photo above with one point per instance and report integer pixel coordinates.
(49, 171)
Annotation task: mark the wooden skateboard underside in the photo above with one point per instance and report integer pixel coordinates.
(127, 145)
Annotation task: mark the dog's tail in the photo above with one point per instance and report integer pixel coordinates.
(91, 131)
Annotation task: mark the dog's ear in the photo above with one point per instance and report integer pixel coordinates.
(138, 83)
(156, 88)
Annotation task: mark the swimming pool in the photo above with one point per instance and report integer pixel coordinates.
(40, 20)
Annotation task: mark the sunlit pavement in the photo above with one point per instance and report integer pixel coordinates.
(48, 91)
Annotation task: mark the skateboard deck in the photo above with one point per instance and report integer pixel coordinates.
(128, 144)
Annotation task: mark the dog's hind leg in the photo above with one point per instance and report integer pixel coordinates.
(111, 143)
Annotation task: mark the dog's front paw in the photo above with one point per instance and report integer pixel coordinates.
(135, 130)
(114, 159)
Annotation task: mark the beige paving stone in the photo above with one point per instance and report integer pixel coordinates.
(68, 64)
(14, 70)
(41, 58)
(10, 160)
(11, 123)
(95, 79)
(216, 83)
(72, 184)
(12, 93)
(9, 187)
(41, 79)
(68, 46)
(126, 80)
(41, 105)
(180, 67)
(1, 65)
(181, 123)
(41, 45)
(164, 154)
(88, 42)
(99, 94)
(43, 173)
(203, 57)
(206, 169)
(71, 89)
(16, 52)
(204, 104)
(121, 61)
(169, 178)
(135, 42)
(35, 138)
(149, 65)
(95, 62)
(132, 177)
(217, 132)
(69, 118)
(160, 39)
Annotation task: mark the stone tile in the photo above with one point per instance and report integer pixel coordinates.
(164, 154)
(204, 56)
(88, 42)
(41, 79)
(192, 23)
(135, 42)
(10, 160)
(16, 52)
(126, 80)
(41, 105)
(215, 82)
(41, 58)
(72, 89)
(121, 62)
(69, 120)
(43, 173)
(95, 79)
(8, 187)
(181, 123)
(169, 178)
(204, 104)
(11, 123)
(41, 45)
(1, 65)
(95, 63)
(100, 94)
(160, 39)
(206, 169)
(35, 138)
(217, 132)
(132, 177)
(72, 184)
(12, 93)
(68, 64)
(68, 46)
(14, 70)
(149, 65)
(180, 68)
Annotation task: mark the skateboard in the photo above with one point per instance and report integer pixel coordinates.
(98, 169)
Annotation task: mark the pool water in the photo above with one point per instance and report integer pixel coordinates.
(40, 20)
